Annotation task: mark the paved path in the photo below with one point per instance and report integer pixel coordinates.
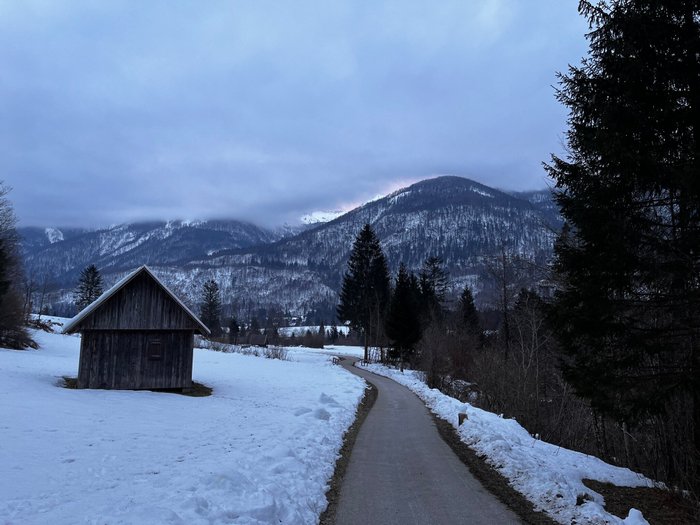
(402, 472)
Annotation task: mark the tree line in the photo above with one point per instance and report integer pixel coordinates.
(385, 314)
(627, 314)
(611, 363)
(15, 305)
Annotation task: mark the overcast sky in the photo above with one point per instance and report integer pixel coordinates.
(117, 111)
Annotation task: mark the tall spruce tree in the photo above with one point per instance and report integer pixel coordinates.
(333, 336)
(433, 280)
(89, 287)
(366, 286)
(629, 189)
(403, 326)
(468, 316)
(210, 307)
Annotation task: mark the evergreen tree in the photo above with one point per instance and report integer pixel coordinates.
(366, 287)
(468, 316)
(210, 307)
(629, 311)
(89, 287)
(423, 307)
(403, 322)
(433, 282)
(334, 334)
(434, 279)
(254, 326)
(322, 330)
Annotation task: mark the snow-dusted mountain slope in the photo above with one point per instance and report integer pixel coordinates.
(462, 221)
(61, 253)
(452, 217)
(36, 239)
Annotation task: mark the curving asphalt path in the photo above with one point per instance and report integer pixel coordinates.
(401, 471)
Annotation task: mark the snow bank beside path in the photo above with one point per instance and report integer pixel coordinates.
(547, 475)
(261, 449)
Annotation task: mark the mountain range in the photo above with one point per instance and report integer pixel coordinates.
(298, 270)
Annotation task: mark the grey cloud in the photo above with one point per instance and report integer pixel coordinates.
(115, 111)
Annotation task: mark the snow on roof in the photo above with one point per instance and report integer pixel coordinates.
(82, 315)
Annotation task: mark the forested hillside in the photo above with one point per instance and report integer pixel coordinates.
(467, 224)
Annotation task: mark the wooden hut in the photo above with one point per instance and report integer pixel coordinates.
(137, 335)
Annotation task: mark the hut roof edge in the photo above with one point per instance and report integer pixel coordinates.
(92, 307)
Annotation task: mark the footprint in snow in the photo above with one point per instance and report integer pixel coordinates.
(328, 400)
(301, 411)
(321, 413)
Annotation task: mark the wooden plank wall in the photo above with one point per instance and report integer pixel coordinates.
(120, 359)
(140, 305)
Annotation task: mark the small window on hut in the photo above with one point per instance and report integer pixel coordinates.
(155, 350)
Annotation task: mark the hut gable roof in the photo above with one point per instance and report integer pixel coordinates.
(87, 314)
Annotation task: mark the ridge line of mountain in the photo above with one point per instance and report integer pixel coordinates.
(458, 219)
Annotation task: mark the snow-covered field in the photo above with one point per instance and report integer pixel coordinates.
(547, 475)
(261, 449)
